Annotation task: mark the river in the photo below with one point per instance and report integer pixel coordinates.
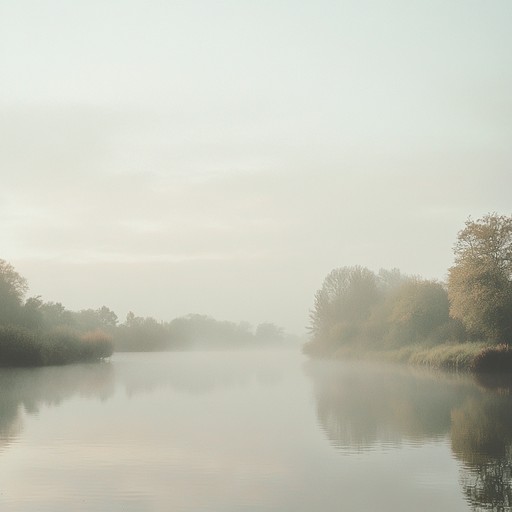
(251, 431)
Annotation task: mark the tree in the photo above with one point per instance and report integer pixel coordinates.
(344, 302)
(12, 291)
(480, 281)
(91, 319)
(418, 312)
(268, 332)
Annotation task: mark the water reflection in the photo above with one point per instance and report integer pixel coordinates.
(29, 389)
(147, 432)
(138, 423)
(26, 390)
(482, 440)
(360, 406)
(195, 372)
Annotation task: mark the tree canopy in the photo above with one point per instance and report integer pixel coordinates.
(388, 309)
(480, 281)
(12, 291)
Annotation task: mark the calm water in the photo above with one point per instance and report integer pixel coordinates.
(251, 431)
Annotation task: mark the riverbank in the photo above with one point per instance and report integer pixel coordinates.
(478, 357)
(21, 347)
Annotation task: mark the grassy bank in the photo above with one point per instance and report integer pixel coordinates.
(21, 347)
(479, 357)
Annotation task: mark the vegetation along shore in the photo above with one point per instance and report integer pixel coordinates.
(38, 333)
(464, 324)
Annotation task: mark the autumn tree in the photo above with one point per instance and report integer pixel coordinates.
(480, 281)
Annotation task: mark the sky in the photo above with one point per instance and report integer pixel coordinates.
(221, 157)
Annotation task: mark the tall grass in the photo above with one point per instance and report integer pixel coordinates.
(21, 347)
(478, 357)
(449, 356)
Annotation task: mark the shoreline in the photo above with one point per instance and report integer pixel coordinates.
(474, 357)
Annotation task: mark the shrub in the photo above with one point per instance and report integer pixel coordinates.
(96, 345)
(496, 359)
(21, 347)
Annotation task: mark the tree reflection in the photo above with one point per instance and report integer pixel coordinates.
(359, 406)
(482, 440)
(29, 389)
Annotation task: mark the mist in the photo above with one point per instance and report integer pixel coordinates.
(198, 204)
(222, 158)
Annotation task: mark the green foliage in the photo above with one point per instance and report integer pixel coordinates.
(12, 290)
(22, 347)
(35, 332)
(19, 347)
(480, 281)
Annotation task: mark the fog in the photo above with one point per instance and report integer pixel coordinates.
(261, 430)
(222, 157)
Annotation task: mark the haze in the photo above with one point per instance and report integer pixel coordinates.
(222, 157)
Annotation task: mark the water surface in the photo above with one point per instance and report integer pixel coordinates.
(251, 431)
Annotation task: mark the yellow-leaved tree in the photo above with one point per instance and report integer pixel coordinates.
(480, 281)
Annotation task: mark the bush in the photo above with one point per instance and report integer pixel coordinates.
(496, 359)
(96, 345)
(20, 347)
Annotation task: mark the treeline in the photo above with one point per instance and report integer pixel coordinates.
(146, 334)
(34, 332)
(358, 309)
(193, 332)
(31, 333)
(356, 306)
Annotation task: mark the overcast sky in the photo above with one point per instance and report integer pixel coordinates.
(221, 157)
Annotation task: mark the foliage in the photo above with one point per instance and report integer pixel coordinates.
(22, 347)
(19, 347)
(141, 334)
(447, 356)
(418, 311)
(12, 290)
(192, 332)
(269, 332)
(35, 332)
(344, 302)
(357, 312)
(496, 359)
(388, 310)
(92, 319)
(480, 281)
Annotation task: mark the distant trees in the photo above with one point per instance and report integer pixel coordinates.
(381, 310)
(266, 332)
(141, 334)
(90, 319)
(192, 332)
(480, 281)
